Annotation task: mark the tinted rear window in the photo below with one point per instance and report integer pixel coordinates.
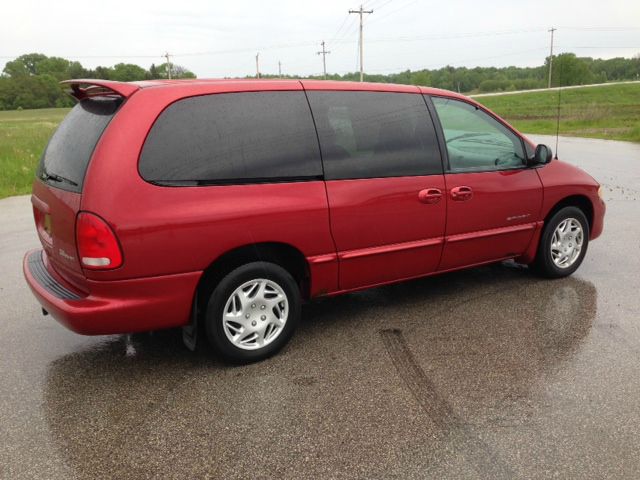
(371, 134)
(66, 158)
(233, 138)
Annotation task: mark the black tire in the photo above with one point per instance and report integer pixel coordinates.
(214, 324)
(543, 264)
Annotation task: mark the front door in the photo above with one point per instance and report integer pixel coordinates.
(494, 199)
(384, 183)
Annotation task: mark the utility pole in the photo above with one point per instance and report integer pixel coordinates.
(166, 55)
(552, 29)
(361, 12)
(324, 52)
(258, 65)
(279, 68)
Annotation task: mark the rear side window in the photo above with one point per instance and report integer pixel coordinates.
(233, 138)
(66, 158)
(371, 134)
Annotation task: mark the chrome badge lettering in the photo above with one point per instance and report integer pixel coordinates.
(65, 255)
(518, 217)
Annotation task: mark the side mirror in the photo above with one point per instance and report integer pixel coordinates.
(542, 155)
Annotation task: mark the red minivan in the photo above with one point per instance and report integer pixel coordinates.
(223, 204)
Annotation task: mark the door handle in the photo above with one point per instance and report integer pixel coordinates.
(430, 195)
(461, 194)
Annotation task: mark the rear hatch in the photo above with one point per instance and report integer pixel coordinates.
(57, 190)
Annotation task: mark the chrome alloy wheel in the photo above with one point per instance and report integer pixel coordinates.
(255, 314)
(566, 243)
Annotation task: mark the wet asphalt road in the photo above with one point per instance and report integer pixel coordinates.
(487, 373)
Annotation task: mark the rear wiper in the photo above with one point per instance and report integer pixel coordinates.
(57, 178)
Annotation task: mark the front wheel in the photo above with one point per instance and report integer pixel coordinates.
(563, 243)
(253, 312)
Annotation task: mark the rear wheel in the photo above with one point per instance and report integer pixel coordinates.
(253, 312)
(563, 243)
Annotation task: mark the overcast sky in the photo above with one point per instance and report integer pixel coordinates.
(220, 38)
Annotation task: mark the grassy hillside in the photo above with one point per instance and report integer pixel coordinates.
(611, 112)
(23, 136)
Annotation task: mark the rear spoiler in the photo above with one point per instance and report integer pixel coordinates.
(86, 88)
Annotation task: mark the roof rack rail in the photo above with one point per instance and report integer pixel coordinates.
(85, 88)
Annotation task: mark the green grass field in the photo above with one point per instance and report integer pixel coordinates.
(611, 112)
(23, 136)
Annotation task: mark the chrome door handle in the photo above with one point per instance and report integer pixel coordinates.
(461, 194)
(430, 195)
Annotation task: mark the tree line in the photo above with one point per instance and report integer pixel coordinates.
(568, 69)
(32, 80)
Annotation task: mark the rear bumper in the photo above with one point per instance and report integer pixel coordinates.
(123, 306)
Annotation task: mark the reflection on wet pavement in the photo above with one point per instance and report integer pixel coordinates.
(450, 368)
(488, 373)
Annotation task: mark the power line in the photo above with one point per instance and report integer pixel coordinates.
(449, 36)
(339, 43)
(467, 60)
(166, 55)
(378, 7)
(552, 29)
(601, 29)
(358, 63)
(351, 27)
(612, 46)
(394, 11)
(342, 40)
(361, 12)
(92, 56)
(324, 53)
(336, 41)
(258, 65)
(335, 35)
(337, 38)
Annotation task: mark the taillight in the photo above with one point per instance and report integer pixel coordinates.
(98, 246)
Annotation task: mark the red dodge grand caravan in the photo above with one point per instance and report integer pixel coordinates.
(223, 204)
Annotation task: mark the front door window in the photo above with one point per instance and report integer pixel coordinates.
(475, 140)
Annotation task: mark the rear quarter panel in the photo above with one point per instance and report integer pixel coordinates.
(168, 230)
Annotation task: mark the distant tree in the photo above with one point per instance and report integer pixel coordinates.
(32, 91)
(35, 64)
(76, 70)
(55, 66)
(495, 85)
(177, 71)
(570, 70)
(163, 70)
(154, 72)
(422, 78)
(104, 73)
(24, 65)
(127, 72)
(33, 80)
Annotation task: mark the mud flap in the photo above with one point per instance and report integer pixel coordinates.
(190, 331)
